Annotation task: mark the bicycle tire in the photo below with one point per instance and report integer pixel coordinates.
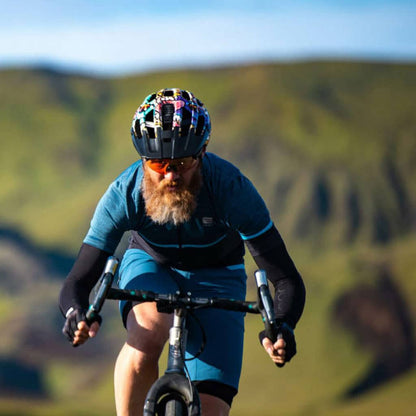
(175, 407)
(172, 387)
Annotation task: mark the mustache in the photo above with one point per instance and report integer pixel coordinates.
(167, 183)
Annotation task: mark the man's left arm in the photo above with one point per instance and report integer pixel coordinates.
(270, 254)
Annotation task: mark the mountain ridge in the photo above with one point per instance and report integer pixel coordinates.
(336, 121)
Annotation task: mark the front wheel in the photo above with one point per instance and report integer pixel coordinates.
(175, 407)
(172, 406)
(175, 388)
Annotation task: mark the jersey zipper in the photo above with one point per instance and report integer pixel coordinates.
(179, 235)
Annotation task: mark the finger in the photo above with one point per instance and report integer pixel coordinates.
(80, 336)
(278, 358)
(84, 332)
(94, 328)
(281, 353)
(80, 339)
(279, 344)
(274, 354)
(268, 346)
(280, 363)
(82, 326)
(266, 342)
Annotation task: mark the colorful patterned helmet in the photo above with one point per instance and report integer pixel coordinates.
(171, 123)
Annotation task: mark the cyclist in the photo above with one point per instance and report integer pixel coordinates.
(189, 213)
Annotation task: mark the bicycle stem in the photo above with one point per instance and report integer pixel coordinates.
(177, 339)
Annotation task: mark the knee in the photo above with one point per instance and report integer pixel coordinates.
(147, 330)
(148, 342)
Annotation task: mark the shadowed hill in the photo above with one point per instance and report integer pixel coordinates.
(55, 264)
(31, 277)
(380, 319)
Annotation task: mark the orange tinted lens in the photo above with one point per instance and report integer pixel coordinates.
(177, 165)
(158, 165)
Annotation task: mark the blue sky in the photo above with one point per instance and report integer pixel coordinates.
(115, 37)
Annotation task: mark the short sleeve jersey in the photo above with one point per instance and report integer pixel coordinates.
(229, 210)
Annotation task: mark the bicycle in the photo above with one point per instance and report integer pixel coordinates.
(174, 394)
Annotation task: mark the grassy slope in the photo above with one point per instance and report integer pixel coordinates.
(324, 127)
(329, 127)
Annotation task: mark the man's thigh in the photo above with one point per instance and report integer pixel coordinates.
(138, 271)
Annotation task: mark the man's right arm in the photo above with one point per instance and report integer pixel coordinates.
(74, 295)
(83, 276)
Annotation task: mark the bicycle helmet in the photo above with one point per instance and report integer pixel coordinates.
(170, 124)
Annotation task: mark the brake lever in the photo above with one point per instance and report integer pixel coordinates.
(271, 325)
(106, 283)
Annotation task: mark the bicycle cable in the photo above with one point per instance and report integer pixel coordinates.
(203, 334)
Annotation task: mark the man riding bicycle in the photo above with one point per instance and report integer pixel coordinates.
(189, 213)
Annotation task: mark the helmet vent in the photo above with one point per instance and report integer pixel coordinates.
(167, 116)
(149, 116)
(186, 122)
(186, 95)
(200, 125)
(151, 132)
(168, 93)
(137, 131)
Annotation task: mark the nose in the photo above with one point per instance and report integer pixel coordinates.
(171, 175)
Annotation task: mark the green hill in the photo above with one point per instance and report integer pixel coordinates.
(330, 145)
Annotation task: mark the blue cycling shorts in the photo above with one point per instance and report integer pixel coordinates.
(222, 356)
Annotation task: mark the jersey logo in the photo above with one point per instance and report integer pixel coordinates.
(207, 221)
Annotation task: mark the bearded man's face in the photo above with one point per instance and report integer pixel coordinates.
(171, 197)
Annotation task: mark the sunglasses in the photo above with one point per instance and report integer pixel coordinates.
(163, 166)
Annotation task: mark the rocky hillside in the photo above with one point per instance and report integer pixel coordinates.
(330, 145)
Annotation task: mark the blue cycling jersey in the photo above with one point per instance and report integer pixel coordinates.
(229, 210)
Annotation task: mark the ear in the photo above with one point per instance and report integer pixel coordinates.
(203, 151)
(145, 168)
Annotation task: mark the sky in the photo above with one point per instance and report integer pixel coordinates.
(118, 37)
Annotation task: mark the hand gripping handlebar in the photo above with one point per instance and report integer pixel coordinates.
(271, 325)
(105, 285)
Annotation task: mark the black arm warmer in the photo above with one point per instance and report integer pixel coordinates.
(270, 254)
(84, 274)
